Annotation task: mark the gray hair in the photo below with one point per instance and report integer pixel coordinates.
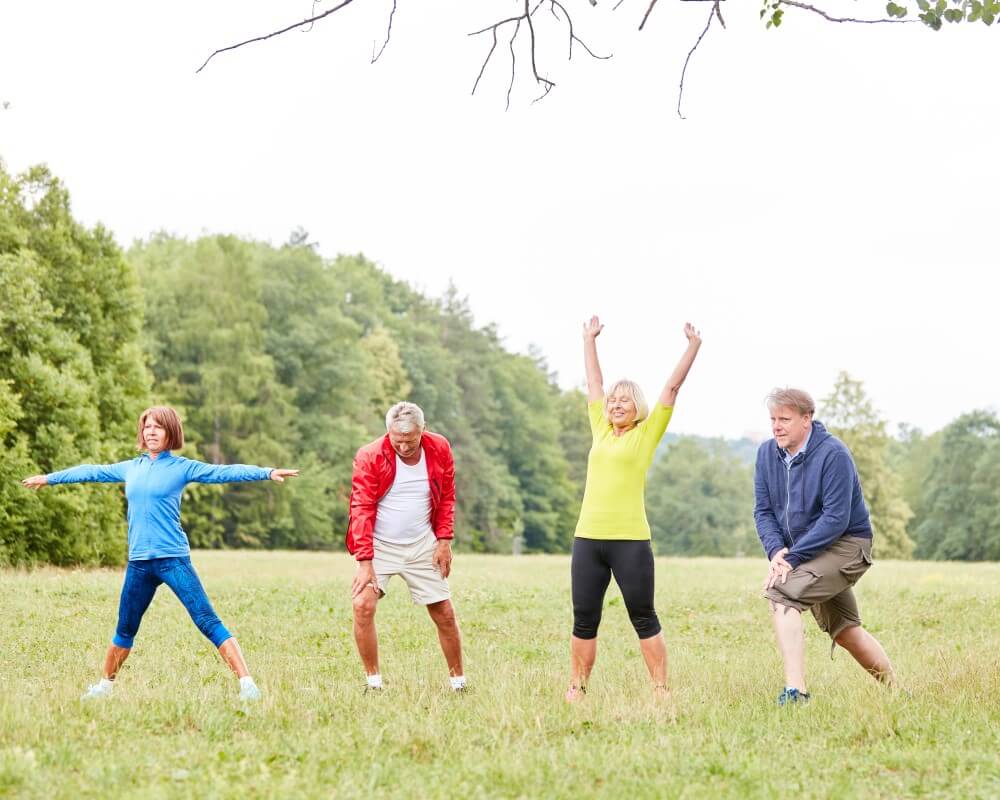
(795, 398)
(405, 416)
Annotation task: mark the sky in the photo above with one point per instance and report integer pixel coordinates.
(829, 203)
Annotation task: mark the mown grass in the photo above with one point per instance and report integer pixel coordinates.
(176, 729)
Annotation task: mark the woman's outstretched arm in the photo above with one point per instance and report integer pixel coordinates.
(84, 473)
(669, 395)
(595, 380)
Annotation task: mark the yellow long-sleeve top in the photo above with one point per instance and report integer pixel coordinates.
(614, 498)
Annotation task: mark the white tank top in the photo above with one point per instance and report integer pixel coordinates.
(404, 512)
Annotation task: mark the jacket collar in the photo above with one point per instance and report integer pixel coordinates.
(817, 436)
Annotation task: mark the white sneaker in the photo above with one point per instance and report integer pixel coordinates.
(98, 690)
(249, 691)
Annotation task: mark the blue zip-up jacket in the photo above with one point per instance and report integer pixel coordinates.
(153, 489)
(812, 502)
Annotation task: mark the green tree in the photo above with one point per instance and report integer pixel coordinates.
(962, 502)
(849, 414)
(699, 499)
(72, 380)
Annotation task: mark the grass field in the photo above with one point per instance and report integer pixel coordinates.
(175, 728)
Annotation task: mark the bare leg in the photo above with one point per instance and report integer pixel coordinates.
(233, 656)
(654, 651)
(867, 651)
(114, 659)
(583, 653)
(449, 635)
(364, 629)
(791, 644)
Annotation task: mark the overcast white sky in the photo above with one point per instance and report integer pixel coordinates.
(830, 203)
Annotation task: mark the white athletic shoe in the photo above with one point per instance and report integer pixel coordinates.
(98, 690)
(249, 692)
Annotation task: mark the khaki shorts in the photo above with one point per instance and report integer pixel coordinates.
(823, 585)
(414, 563)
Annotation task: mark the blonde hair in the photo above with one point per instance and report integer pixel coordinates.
(793, 398)
(634, 392)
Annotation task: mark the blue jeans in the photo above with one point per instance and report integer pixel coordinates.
(141, 580)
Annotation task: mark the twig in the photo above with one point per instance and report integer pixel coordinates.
(311, 24)
(711, 16)
(572, 36)
(646, 15)
(275, 33)
(523, 17)
(388, 33)
(822, 13)
(512, 63)
(482, 69)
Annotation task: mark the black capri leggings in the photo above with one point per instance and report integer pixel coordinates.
(594, 562)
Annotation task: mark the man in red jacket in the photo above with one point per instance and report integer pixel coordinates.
(402, 523)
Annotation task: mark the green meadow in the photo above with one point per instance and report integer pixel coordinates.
(175, 726)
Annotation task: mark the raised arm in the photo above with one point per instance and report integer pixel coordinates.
(595, 380)
(84, 473)
(669, 395)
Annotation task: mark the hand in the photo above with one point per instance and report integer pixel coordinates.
(35, 482)
(592, 329)
(279, 475)
(442, 557)
(363, 578)
(777, 569)
(692, 333)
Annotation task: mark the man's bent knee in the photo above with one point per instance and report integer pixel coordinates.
(848, 636)
(364, 605)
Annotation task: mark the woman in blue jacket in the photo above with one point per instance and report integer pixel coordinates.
(158, 549)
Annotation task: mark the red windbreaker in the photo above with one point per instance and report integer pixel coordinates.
(374, 472)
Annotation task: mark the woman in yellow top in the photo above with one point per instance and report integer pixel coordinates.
(612, 535)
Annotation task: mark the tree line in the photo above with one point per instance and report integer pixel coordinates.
(277, 356)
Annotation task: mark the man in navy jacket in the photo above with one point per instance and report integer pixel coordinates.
(812, 520)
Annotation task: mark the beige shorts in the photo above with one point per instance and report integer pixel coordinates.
(823, 585)
(414, 563)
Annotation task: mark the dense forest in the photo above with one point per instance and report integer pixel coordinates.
(278, 356)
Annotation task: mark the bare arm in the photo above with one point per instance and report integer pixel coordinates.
(595, 380)
(669, 395)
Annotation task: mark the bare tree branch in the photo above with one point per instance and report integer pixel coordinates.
(276, 33)
(822, 13)
(615, 7)
(646, 15)
(572, 36)
(482, 69)
(711, 15)
(388, 33)
(311, 14)
(525, 16)
(718, 13)
(510, 88)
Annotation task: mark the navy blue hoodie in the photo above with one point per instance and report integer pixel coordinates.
(811, 503)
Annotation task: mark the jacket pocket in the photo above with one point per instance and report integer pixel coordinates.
(856, 567)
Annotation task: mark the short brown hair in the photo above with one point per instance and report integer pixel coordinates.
(795, 398)
(171, 422)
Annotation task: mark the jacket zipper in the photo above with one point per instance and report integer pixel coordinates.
(788, 501)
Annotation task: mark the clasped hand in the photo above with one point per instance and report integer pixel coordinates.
(778, 569)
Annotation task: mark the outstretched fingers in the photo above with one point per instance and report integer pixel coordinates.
(279, 475)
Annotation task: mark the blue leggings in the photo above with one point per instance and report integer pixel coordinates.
(141, 581)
